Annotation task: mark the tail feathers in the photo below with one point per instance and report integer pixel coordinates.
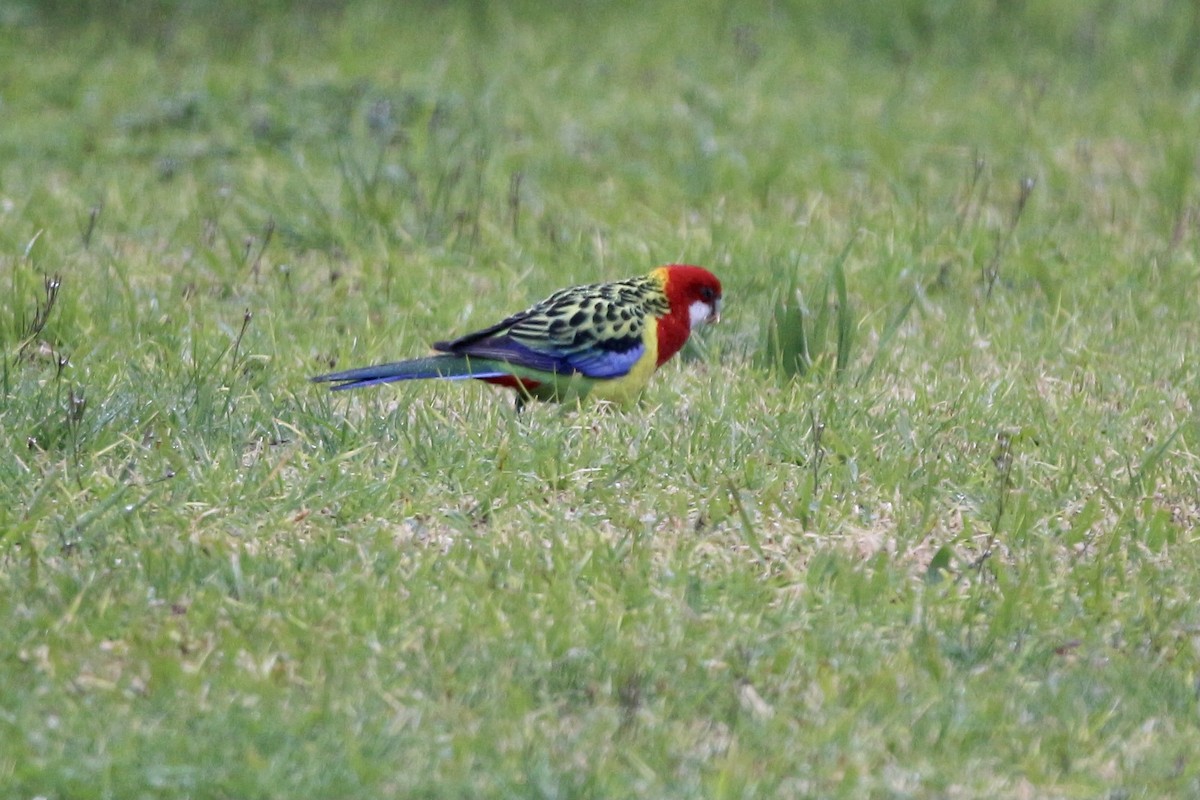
(446, 367)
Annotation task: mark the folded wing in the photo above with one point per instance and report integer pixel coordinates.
(593, 331)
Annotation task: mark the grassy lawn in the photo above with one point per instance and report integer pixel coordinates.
(918, 519)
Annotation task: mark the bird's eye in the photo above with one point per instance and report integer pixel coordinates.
(707, 293)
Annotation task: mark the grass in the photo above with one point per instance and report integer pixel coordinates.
(917, 520)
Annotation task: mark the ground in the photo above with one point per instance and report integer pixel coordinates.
(916, 520)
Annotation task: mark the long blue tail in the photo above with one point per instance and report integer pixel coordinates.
(446, 367)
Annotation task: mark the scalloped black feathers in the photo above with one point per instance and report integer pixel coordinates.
(595, 330)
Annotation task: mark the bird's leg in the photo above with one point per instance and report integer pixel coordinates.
(523, 395)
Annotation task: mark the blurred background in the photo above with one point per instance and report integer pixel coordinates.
(918, 519)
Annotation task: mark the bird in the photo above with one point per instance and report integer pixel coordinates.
(600, 341)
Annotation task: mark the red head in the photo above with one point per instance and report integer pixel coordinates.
(694, 295)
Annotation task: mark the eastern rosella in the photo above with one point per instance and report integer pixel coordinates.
(603, 340)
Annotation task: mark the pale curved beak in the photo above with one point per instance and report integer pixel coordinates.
(716, 315)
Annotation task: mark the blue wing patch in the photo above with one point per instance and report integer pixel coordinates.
(591, 362)
(607, 364)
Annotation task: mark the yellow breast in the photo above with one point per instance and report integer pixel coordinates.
(626, 388)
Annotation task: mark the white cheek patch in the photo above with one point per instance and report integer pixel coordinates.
(698, 313)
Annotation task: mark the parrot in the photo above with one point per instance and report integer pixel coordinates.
(601, 341)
